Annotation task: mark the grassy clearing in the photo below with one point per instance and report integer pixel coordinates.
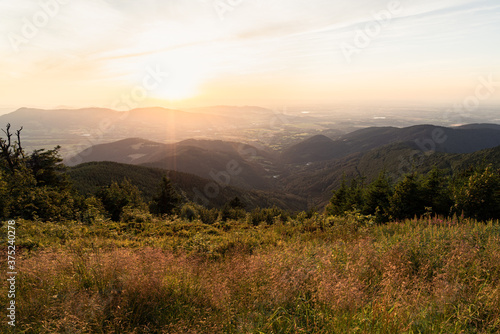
(318, 275)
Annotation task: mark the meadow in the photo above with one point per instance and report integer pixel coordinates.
(317, 274)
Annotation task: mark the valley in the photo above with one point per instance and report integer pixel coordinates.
(293, 159)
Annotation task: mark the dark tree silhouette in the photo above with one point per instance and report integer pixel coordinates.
(12, 152)
(167, 200)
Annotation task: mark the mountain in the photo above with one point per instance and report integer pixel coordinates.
(234, 163)
(319, 179)
(88, 178)
(464, 139)
(316, 148)
(75, 129)
(313, 167)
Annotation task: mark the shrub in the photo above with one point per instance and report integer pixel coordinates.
(93, 211)
(208, 216)
(268, 216)
(478, 196)
(117, 196)
(134, 218)
(189, 212)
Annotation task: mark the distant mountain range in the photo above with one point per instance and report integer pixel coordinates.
(247, 166)
(248, 150)
(464, 139)
(77, 129)
(312, 168)
(99, 123)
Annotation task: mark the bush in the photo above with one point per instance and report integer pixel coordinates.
(478, 196)
(93, 211)
(208, 216)
(189, 212)
(135, 219)
(268, 216)
(44, 203)
(117, 196)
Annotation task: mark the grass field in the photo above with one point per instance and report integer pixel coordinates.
(316, 275)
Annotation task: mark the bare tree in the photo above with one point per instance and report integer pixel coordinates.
(10, 151)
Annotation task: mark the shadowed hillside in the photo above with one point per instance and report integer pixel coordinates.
(247, 166)
(88, 178)
(465, 139)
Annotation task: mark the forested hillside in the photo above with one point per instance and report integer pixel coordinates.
(88, 178)
(40, 186)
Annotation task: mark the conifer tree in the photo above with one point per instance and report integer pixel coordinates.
(167, 200)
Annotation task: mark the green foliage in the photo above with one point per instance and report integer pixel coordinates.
(436, 192)
(47, 168)
(208, 216)
(236, 203)
(189, 211)
(233, 210)
(407, 200)
(45, 203)
(478, 195)
(118, 196)
(475, 193)
(378, 196)
(93, 211)
(33, 186)
(346, 199)
(268, 216)
(134, 218)
(167, 200)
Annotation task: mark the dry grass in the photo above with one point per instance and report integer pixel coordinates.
(341, 277)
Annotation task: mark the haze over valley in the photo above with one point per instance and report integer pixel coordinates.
(292, 158)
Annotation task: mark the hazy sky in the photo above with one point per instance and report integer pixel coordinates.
(120, 53)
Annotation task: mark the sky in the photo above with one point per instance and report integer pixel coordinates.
(123, 54)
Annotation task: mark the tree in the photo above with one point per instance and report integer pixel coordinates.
(34, 186)
(346, 198)
(12, 152)
(478, 195)
(236, 203)
(118, 196)
(47, 168)
(167, 200)
(378, 197)
(407, 200)
(338, 202)
(435, 192)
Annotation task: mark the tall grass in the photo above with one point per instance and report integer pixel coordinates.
(317, 275)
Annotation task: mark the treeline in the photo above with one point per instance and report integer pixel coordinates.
(36, 187)
(473, 193)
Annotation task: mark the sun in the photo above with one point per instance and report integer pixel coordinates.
(177, 89)
(184, 77)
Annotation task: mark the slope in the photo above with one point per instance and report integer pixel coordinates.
(247, 166)
(89, 177)
(465, 139)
